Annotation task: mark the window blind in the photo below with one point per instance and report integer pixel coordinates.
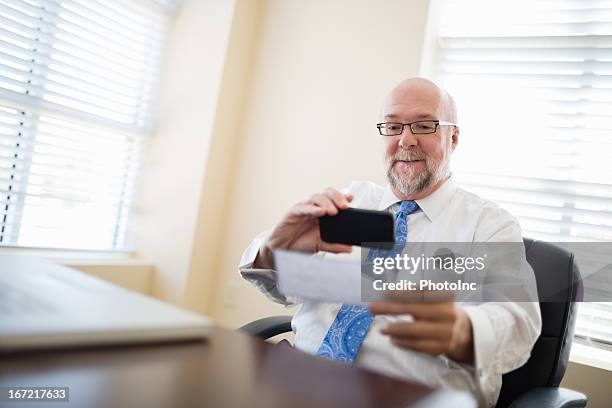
(533, 84)
(77, 89)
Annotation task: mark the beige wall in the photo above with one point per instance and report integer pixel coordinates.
(136, 276)
(169, 203)
(262, 103)
(319, 74)
(594, 382)
(213, 213)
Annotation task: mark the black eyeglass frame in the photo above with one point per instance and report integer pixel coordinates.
(437, 123)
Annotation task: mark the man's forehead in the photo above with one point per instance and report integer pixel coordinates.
(412, 109)
(403, 115)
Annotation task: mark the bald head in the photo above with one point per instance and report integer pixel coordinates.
(424, 91)
(418, 161)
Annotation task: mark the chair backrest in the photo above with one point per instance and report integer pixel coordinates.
(558, 280)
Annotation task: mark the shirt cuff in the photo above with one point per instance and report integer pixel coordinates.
(265, 281)
(484, 339)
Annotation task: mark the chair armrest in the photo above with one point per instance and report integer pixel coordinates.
(268, 326)
(550, 397)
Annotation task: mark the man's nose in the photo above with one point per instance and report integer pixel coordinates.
(407, 139)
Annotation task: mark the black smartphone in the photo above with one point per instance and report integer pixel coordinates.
(353, 226)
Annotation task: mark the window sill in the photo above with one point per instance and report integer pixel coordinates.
(78, 257)
(118, 267)
(69, 255)
(592, 355)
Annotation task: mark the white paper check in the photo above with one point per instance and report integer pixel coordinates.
(310, 277)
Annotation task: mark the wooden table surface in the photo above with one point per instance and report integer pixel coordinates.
(230, 369)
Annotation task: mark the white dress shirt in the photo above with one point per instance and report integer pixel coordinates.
(504, 332)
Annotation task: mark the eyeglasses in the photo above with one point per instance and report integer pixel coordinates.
(417, 128)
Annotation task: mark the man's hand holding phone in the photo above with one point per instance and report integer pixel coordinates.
(298, 230)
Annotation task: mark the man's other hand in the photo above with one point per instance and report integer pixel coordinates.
(299, 229)
(439, 326)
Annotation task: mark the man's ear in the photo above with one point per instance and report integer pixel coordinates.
(455, 137)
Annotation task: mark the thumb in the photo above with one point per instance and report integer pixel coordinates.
(336, 248)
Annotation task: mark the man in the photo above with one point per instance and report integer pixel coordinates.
(464, 346)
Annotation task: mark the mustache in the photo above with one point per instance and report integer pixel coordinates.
(406, 155)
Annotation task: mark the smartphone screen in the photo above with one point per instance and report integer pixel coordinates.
(352, 226)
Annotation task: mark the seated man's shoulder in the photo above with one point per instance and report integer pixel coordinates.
(492, 216)
(488, 207)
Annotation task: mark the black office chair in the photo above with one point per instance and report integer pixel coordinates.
(535, 384)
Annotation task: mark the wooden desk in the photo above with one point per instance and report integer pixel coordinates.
(229, 370)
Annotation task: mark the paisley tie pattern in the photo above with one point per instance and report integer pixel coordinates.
(347, 332)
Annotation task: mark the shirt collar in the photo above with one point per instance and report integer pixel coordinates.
(432, 205)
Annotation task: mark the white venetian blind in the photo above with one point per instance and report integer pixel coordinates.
(533, 83)
(77, 86)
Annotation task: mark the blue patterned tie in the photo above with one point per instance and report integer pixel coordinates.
(347, 332)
